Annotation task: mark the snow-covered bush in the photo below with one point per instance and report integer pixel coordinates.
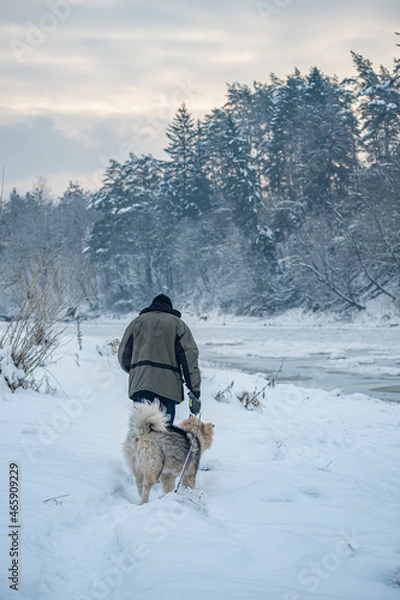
(13, 376)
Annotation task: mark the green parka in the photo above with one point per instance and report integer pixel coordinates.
(159, 353)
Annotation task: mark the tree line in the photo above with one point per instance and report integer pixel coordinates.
(286, 196)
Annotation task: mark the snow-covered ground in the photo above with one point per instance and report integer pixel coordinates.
(301, 500)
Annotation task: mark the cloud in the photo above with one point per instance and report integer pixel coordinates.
(104, 74)
(36, 147)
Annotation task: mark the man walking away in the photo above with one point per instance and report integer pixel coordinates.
(159, 353)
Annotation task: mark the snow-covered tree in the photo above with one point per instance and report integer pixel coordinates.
(378, 95)
(241, 188)
(312, 153)
(186, 184)
(124, 240)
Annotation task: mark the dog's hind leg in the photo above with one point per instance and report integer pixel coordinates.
(139, 481)
(189, 478)
(168, 482)
(151, 474)
(148, 481)
(189, 481)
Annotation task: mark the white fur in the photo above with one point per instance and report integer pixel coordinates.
(148, 416)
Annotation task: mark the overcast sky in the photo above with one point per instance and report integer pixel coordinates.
(84, 80)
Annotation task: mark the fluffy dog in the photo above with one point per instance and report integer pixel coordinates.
(155, 451)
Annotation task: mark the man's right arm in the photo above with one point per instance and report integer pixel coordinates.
(187, 354)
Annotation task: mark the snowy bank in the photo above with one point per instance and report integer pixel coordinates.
(300, 500)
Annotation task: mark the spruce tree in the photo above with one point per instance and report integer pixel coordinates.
(74, 217)
(186, 183)
(125, 239)
(242, 191)
(378, 95)
(312, 151)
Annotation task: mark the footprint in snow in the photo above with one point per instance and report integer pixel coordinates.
(311, 492)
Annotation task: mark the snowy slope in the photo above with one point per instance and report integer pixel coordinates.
(300, 501)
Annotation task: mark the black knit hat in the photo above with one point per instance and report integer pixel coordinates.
(161, 303)
(162, 299)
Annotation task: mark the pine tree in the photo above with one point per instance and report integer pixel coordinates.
(200, 184)
(125, 239)
(312, 152)
(74, 217)
(252, 110)
(181, 149)
(26, 224)
(110, 201)
(186, 183)
(283, 157)
(378, 95)
(242, 191)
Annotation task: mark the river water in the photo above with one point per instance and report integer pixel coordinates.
(350, 359)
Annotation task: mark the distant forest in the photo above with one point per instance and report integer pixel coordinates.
(286, 196)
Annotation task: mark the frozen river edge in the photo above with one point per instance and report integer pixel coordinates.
(350, 359)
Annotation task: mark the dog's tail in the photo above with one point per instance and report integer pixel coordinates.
(148, 416)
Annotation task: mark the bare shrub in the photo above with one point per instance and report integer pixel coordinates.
(44, 291)
(251, 401)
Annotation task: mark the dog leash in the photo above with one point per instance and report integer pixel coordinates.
(188, 454)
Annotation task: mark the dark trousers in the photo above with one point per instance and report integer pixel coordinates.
(168, 404)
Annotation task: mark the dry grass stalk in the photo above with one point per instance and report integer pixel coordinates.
(226, 394)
